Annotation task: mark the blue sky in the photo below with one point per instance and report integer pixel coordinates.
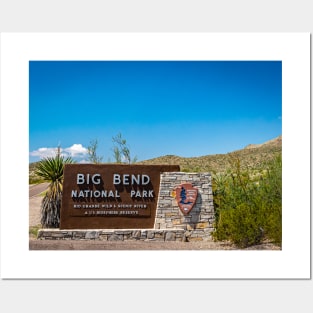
(185, 108)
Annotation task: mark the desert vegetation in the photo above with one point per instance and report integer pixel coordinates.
(50, 169)
(248, 204)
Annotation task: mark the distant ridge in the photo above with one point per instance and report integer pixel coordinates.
(252, 156)
(273, 142)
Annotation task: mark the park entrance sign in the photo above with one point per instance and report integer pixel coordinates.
(110, 196)
(134, 202)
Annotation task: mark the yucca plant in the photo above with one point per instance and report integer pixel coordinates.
(51, 170)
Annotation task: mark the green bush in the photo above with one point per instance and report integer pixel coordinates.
(249, 207)
(240, 225)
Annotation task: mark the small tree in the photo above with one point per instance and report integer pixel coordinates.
(51, 170)
(117, 155)
(92, 152)
(121, 151)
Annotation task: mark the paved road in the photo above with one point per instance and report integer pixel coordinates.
(35, 190)
(35, 203)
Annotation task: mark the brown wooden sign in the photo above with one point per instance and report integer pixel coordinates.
(106, 196)
(186, 197)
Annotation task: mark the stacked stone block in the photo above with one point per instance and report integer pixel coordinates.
(113, 235)
(198, 224)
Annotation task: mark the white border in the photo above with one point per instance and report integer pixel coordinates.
(294, 259)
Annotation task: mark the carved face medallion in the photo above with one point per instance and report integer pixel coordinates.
(186, 197)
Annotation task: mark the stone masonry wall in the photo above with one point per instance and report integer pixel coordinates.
(198, 224)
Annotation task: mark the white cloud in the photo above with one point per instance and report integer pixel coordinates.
(44, 152)
(75, 151)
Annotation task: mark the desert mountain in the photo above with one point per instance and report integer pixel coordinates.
(251, 157)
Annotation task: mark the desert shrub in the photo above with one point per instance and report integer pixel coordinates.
(240, 225)
(271, 197)
(248, 207)
(51, 170)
